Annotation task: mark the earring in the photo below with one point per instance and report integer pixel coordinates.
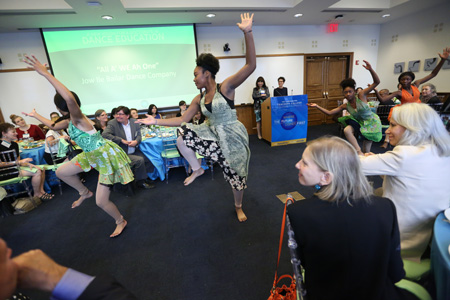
(318, 187)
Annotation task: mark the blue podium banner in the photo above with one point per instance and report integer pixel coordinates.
(289, 119)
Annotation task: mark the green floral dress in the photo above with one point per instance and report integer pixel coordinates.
(368, 120)
(103, 155)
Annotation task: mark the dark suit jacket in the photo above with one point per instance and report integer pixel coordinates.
(115, 132)
(105, 287)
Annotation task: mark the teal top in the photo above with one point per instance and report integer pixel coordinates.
(87, 142)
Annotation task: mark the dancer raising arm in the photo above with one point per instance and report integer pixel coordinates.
(222, 137)
(361, 119)
(103, 155)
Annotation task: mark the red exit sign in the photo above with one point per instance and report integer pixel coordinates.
(333, 27)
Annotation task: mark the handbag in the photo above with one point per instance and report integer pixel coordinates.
(284, 292)
(72, 151)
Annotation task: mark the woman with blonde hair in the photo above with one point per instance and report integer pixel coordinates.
(415, 173)
(344, 217)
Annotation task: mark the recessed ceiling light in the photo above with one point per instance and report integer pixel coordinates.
(210, 15)
(386, 15)
(107, 17)
(298, 15)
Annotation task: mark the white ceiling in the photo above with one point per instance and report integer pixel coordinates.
(33, 14)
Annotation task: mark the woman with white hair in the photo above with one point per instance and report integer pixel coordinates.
(344, 217)
(416, 173)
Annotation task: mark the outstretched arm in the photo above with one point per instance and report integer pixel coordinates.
(58, 126)
(444, 56)
(75, 111)
(326, 111)
(231, 83)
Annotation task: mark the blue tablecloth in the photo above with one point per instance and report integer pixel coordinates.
(440, 257)
(37, 154)
(152, 148)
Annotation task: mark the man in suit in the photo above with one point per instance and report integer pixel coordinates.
(35, 270)
(127, 134)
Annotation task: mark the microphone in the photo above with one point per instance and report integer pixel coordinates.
(292, 92)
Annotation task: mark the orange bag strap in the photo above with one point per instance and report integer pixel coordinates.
(283, 224)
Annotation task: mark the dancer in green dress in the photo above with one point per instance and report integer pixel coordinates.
(361, 119)
(106, 157)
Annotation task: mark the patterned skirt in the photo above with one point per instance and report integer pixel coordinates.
(211, 150)
(110, 161)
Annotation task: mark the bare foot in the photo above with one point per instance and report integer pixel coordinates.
(259, 137)
(194, 175)
(119, 228)
(385, 145)
(240, 214)
(81, 199)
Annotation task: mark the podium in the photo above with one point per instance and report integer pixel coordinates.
(284, 120)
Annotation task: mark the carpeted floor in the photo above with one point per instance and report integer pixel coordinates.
(180, 242)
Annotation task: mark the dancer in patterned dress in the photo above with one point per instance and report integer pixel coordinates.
(221, 137)
(106, 157)
(361, 119)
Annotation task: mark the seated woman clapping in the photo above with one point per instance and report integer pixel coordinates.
(416, 173)
(348, 240)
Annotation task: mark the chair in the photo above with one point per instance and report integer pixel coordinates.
(170, 154)
(9, 177)
(57, 162)
(209, 162)
(414, 288)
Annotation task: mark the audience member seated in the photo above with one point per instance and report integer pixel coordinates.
(415, 173)
(127, 134)
(25, 130)
(8, 135)
(113, 113)
(51, 144)
(100, 120)
(35, 270)
(429, 95)
(348, 240)
(153, 111)
(183, 107)
(383, 93)
(198, 118)
(134, 113)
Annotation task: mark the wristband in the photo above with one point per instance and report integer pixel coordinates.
(247, 31)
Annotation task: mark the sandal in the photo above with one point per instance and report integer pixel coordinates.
(46, 196)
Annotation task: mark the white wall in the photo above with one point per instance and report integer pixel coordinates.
(23, 91)
(416, 41)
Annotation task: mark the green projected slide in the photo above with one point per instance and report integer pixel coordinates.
(134, 67)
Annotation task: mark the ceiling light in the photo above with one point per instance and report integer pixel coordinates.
(298, 15)
(210, 15)
(106, 17)
(386, 15)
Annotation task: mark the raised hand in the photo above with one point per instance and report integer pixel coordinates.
(367, 65)
(35, 64)
(311, 104)
(147, 121)
(246, 22)
(30, 114)
(445, 53)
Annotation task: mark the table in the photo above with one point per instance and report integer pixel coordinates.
(152, 148)
(440, 257)
(37, 154)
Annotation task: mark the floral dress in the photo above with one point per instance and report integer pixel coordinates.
(368, 120)
(103, 155)
(222, 138)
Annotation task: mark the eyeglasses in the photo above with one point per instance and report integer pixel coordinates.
(120, 114)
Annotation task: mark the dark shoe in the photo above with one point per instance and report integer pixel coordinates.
(145, 185)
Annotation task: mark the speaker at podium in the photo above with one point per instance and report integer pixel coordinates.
(284, 120)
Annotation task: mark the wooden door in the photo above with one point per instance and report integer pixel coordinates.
(323, 73)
